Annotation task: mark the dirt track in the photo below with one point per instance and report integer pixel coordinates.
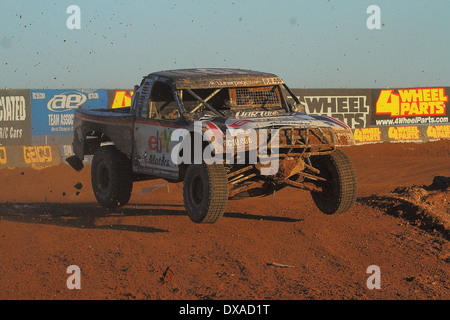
(263, 248)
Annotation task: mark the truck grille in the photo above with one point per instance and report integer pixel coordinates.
(306, 140)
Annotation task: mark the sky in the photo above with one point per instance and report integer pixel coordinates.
(308, 43)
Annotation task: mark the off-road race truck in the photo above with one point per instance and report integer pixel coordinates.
(170, 115)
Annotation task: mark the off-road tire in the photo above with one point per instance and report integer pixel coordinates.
(340, 190)
(205, 192)
(111, 177)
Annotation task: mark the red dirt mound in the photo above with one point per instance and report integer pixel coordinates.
(426, 206)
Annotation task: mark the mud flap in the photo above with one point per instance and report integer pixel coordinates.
(75, 163)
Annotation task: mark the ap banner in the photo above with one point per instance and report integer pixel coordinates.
(15, 117)
(410, 107)
(350, 106)
(52, 110)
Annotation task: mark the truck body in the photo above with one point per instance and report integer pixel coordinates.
(216, 129)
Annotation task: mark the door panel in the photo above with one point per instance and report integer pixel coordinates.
(152, 136)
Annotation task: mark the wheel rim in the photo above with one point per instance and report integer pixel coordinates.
(103, 178)
(327, 186)
(197, 190)
(339, 190)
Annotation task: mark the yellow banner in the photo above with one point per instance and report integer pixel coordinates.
(412, 102)
(367, 135)
(438, 132)
(404, 133)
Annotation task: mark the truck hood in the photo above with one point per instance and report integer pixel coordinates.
(218, 125)
(300, 120)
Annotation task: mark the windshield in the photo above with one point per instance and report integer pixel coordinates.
(230, 100)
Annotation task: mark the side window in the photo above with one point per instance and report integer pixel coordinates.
(162, 105)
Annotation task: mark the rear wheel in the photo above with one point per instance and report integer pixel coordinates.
(339, 191)
(111, 177)
(205, 192)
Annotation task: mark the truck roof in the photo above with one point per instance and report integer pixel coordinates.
(216, 77)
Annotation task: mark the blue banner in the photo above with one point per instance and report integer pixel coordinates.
(52, 110)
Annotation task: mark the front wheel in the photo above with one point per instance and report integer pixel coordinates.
(205, 192)
(339, 191)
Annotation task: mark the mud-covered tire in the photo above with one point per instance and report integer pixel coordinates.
(205, 192)
(340, 190)
(111, 177)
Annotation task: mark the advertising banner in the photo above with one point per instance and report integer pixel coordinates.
(29, 156)
(369, 135)
(119, 98)
(351, 106)
(45, 117)
(52, 110)
(15, 117)
(410, 107)
(420, 133)
(438, 132)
